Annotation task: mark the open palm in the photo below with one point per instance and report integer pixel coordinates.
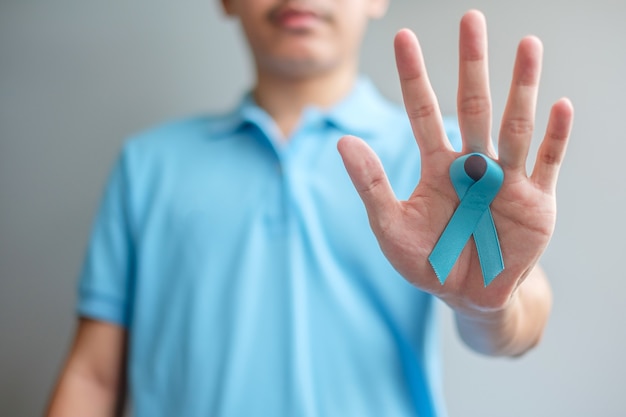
(524, 211)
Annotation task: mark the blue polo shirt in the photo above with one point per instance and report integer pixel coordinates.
(248, 277)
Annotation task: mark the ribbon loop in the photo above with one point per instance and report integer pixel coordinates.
(476, 180)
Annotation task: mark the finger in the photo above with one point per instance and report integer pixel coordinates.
(552, 149)
(474, 98)
(368, 176)
(519, 115)
(419, 98)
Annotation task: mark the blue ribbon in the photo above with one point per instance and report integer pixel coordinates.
(476, 180)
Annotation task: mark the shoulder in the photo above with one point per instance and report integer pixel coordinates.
(176, 139)
(177, 134)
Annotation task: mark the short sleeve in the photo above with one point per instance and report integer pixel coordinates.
(106, 279)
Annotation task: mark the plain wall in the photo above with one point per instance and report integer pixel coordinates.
(77, 77)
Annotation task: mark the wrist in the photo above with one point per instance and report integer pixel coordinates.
(492, 332)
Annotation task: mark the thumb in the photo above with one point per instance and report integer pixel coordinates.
(368, 176)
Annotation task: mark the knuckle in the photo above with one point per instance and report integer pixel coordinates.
(372, 186)
(551, 158)
(474, 105)
(412, 77)
(518, 127)
(556, 136)
(421, 112)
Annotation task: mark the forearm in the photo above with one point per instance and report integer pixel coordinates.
(78, 394)
(516, 328)
(93, 381)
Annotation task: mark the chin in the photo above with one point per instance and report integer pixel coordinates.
(300, 65)
(301, 68)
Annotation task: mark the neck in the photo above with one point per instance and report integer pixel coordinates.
(285, 98)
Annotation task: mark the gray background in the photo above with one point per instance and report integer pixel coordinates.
(77, 77)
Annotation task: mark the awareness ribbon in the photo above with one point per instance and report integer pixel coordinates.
(476, 180)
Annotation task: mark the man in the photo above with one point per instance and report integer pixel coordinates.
(232, 271)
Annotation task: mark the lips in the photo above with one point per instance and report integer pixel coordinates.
(295, 18)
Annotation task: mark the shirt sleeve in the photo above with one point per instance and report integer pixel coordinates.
(106, 280)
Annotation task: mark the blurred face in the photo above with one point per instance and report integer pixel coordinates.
(301, 38)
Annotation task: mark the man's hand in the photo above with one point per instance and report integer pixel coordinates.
(524, 210)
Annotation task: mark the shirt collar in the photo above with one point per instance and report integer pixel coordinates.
(356, 114)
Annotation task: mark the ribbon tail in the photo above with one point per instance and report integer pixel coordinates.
(488, 248)
(453, 239)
